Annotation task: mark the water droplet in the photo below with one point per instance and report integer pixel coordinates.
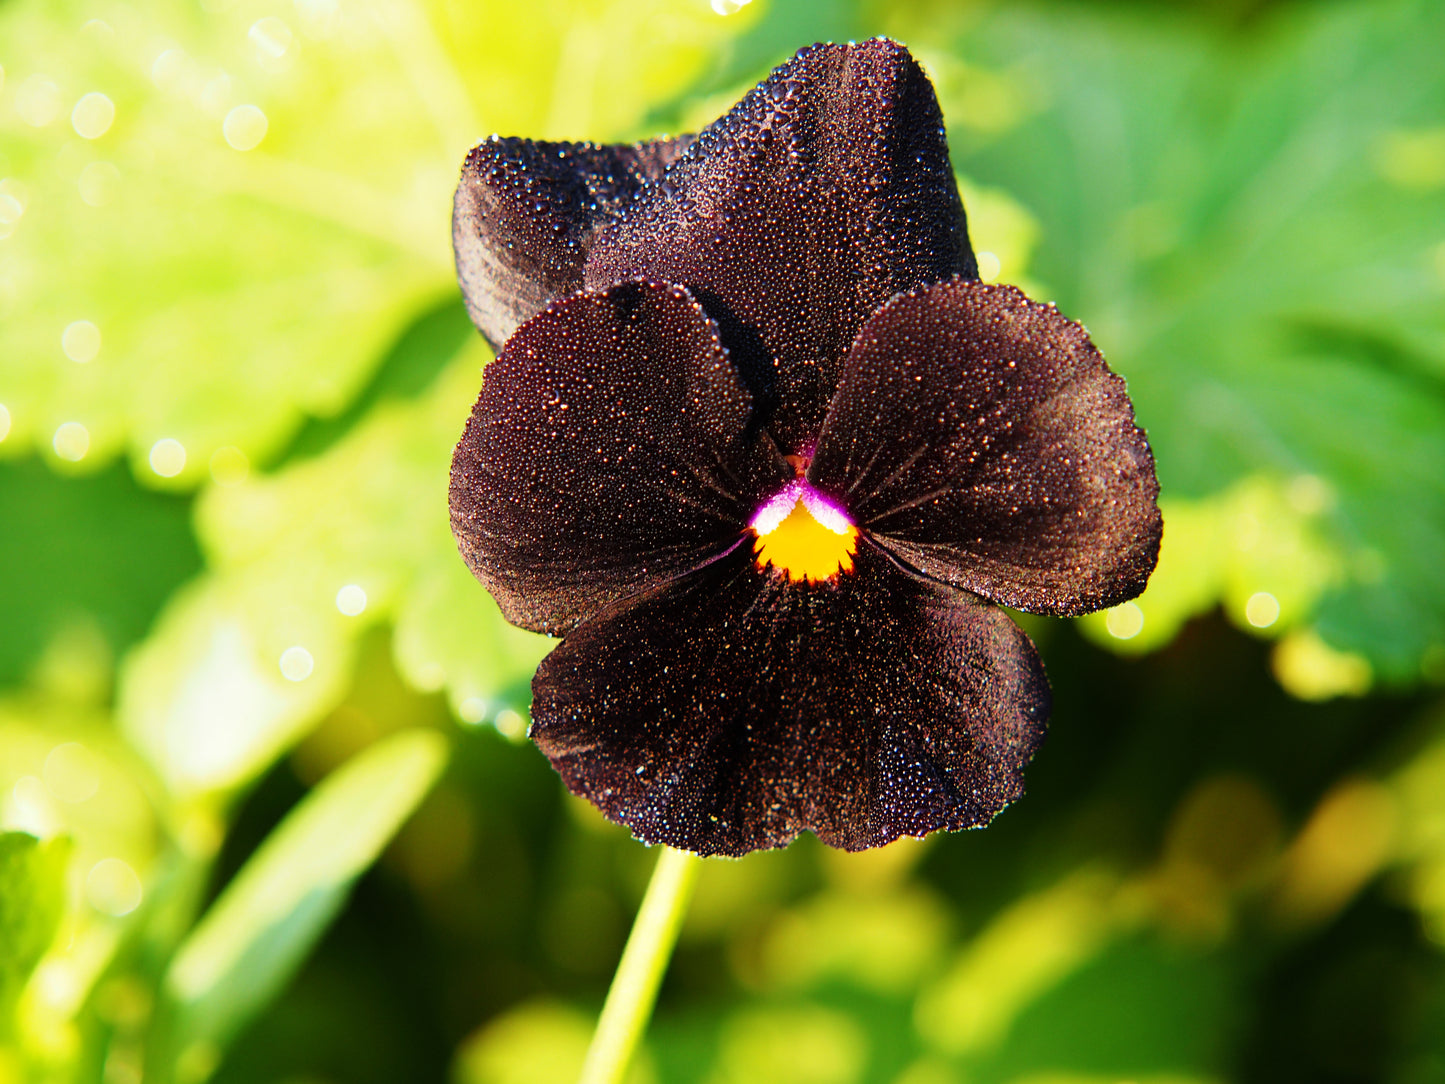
(80, 341)
(510, 724)
(1125, 621)
(168, 457)
(112, 887)
(296, 663)
(244, 127)
(93, 115)
(1262, 610)
(71, 442)
(351, 600)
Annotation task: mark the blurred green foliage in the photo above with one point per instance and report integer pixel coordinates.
(236, 641)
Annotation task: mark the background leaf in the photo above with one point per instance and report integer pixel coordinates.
(32, 902)
(259, 930)
(1242, 222)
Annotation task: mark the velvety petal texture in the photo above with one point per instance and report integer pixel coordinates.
(823, 193)
(730, 709)
(612, 447)
(763, 451)
(979, 437)
(525, 216)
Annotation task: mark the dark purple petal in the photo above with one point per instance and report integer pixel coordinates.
(823, 193)
(610, 449)
(525, 215)
(731, 710)
(979, 436)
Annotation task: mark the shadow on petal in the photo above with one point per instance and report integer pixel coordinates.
(731, 710)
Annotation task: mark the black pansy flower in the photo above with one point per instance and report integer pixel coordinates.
(765, 453)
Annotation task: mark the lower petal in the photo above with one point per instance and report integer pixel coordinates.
(732, 709)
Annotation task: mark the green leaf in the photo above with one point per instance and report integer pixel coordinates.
(1251, 226)
(303, 563)
(259, 931)
(213, 223)
(535, 1043)
(32, 902)
(85, 546)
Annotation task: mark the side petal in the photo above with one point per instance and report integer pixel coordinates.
(610, 449)
(823, 193)
(732, 710)
(525, 214)
(979, 436)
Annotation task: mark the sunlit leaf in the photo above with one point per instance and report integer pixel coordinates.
(1258, 548)
(536, 1043)
(304, 561)
(1023, 953)
(263, 925)
(32, 901)
(87, 549)
(1145, 1011)
(214, 222)
(806, 1044)
(1250, 225)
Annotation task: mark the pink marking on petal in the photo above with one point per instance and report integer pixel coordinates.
(776, 508)
(826, 511)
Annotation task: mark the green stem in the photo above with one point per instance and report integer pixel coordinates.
(639, 974)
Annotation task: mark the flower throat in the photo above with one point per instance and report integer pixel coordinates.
(803, 534)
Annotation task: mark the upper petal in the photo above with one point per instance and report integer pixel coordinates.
(610, 449)
(732, 709)
(980, 437)
(823, 193)
(525, 214)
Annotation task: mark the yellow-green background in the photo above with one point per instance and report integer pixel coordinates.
(261, 832)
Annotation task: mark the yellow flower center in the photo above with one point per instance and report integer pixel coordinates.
(804, 548)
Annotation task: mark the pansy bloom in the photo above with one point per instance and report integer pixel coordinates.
(766, 454)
